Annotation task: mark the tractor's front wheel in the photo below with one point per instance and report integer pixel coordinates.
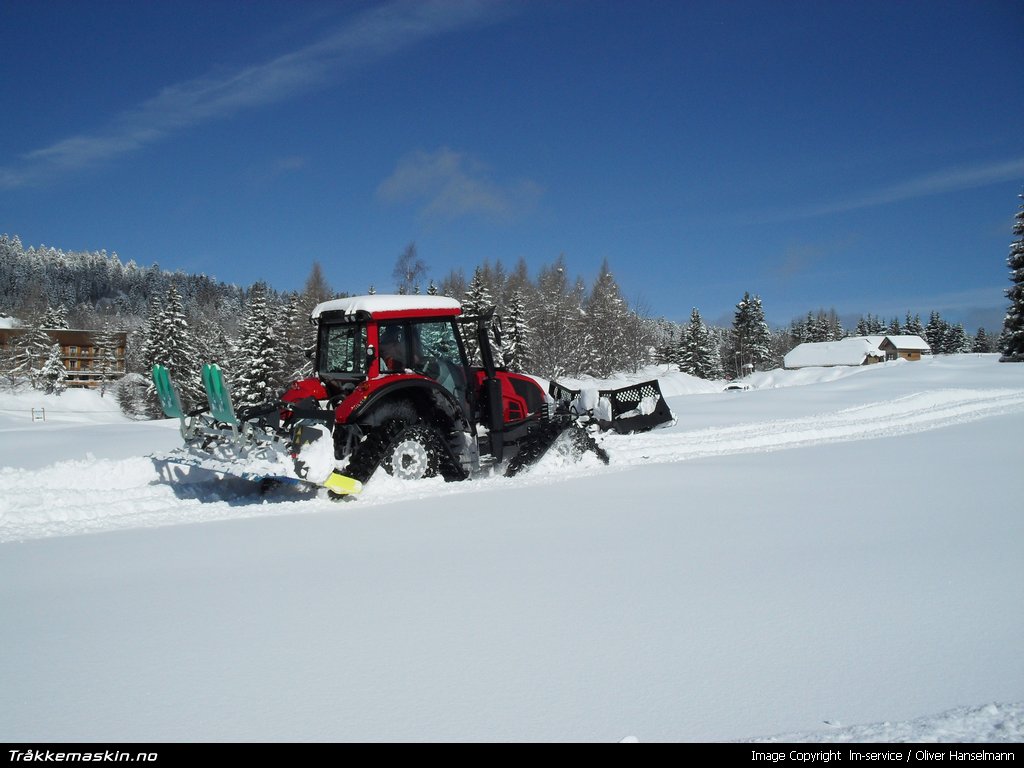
(413, 454)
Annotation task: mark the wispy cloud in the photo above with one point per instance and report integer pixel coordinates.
(449, 185)
(375, 34)
(939, 182)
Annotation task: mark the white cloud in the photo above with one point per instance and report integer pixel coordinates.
(938, 182)
(371, 36)
(450, 185)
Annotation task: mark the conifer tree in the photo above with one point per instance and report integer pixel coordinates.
(516, 342)
(53, 374)
(298, 338)
(751, 338)
(551, 317)
(29, 354)
(55, 317)
(981, 343)
(106, 357)
(699, 352)
(169, 342)
(668, 351)
(476, 301)
(935, 333)
(606, 319)
(256, 369)
(955, 340)
(799, 330)
(912, 326)
(1013, 324)
(212, 343)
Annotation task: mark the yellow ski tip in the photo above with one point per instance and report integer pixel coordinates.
(342, 484)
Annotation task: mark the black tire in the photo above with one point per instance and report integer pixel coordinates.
(413, 454)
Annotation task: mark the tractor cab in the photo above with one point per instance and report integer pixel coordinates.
(371, 336)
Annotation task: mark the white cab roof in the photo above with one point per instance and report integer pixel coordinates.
(386, 303)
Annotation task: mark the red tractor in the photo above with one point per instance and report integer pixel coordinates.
(396, 387)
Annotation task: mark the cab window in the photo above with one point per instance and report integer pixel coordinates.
(343, 349)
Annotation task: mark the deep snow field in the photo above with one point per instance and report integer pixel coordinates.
(834, 555)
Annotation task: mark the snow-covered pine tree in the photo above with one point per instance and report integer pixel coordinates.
(799, 330)
(132, 395)
(105, 362)
(699, 352)
(519, 280)
(668, 347)
(29, 354)
(1013, 324)
(298, 338)
(912, 326)
(956, 340)
(169, 342)
(819, 326)
(894, 328)
(56, 316)
(551, 319)
(150, 337)
(212, 343)
(477, 300)
(516, 342)
(256, 367)
(870, 325)
(606, 318)
(981, 343)
(53, 374)
(935, 333)
(751, 338)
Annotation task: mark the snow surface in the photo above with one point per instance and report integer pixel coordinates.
(382, 302)
(832, 556)
(909, 343)
(852, 350)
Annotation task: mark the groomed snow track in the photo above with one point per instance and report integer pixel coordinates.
(912, 413)
(76, 497)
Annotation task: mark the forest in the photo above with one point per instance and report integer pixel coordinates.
(553, 324)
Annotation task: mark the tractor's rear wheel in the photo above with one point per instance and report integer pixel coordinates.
(413, 454)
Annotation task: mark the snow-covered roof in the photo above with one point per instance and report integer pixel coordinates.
(909, 342)
(386, 303)
(7, 321)
(850, 351)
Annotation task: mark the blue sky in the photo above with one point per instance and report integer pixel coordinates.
(865, 156)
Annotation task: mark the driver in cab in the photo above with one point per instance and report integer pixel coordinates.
(392, 350)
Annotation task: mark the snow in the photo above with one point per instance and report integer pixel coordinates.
(853, 350)
(833, 556)
(909, 343)
(386, 303)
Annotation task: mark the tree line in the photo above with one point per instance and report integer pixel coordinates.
(552, 324)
